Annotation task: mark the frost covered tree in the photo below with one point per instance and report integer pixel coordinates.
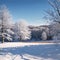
(22, 31)
(5, 21)
(53, 16)
(44, 35)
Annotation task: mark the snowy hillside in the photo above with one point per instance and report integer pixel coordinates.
(29, 51)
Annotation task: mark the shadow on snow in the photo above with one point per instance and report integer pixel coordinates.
(44, 51)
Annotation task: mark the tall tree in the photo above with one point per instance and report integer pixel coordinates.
(5, 20)
(54, 16)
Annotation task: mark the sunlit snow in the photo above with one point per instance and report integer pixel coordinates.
(29, 51)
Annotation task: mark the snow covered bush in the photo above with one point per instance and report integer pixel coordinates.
(22, 31)
(44, 35)
(5, 22)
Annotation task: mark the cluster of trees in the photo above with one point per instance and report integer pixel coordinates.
(9, 30)
(40, 33)
(20, 30)
(15, 31)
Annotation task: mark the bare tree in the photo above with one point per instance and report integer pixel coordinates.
(54, 13)
(54, 16)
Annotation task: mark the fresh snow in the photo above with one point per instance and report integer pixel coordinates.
(29, 51)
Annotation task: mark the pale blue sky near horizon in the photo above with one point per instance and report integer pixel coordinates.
(30, 10)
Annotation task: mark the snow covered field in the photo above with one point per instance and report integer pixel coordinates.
(29, 51)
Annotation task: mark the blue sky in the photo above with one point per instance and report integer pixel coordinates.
(30, 10)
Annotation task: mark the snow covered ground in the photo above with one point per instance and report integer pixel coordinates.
(29, 51)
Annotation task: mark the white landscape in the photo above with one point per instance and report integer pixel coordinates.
(29, 51)
(27, 33)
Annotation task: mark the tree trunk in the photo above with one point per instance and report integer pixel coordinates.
(2, 39)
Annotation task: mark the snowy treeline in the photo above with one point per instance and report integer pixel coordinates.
(21, 31)
(16, 31)
(39, 32)
(13, 31)
(10, 30)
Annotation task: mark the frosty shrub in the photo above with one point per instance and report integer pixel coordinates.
(44, 35)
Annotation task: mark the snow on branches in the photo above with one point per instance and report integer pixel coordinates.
(22, 30)
(5, 22)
